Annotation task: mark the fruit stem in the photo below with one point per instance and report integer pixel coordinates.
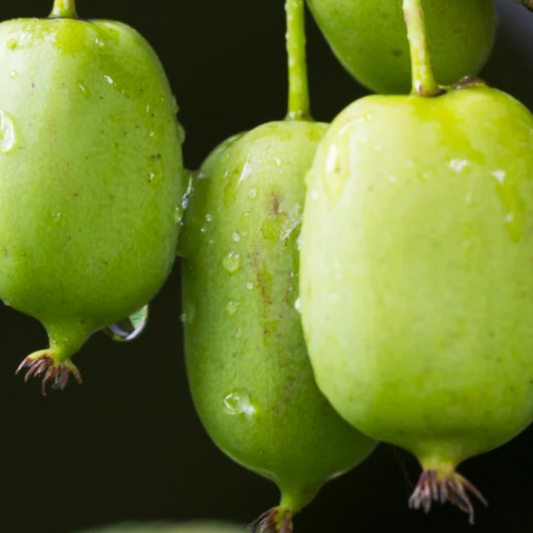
(64, 9)
(299, 106)
(424, 83)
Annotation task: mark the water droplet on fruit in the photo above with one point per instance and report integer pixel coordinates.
(189, 314)
(252, 193)
(232, 262)
(109, 79)
(499, 175)
(99, 43)
(8, 135)
(246, 172)
(249, 285)
(277, 160)
(178, 214)
(57, 217)
(181, 133)
(130, 328)
(239, 403)
(232, 307)
(209, 218)
(236, 236)
(83, 89)
(298, 304)
(203, 229)
(458, 165)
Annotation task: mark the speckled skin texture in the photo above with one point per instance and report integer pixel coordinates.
(416, 283)
(248, 367)
(369, 38)
(90, 174)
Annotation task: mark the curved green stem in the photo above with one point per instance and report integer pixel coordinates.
(424, 83)
(299, 106)
(64, 9)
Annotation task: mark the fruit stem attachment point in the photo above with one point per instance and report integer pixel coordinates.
(299, 105)
(424, 83)
(64, 9)
(442, 487)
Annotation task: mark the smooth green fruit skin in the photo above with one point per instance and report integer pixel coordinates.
(90, 173)
(416, 284)
(247, 363)
(369, 38)
(191, 527)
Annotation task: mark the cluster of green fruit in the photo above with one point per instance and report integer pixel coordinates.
(343, 284)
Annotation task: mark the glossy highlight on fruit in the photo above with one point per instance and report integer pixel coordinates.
(90, 178)
(368, 37)
(416, 285)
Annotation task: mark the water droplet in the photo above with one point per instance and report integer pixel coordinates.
(57, 217)
(181, 133)
(130, 328)
(499, 175)
(232, 307)
(151, 176)
(7, 132)
(13, 74)
(252, 193)
(236, 236)
(277, 160)
(209, 218)
(148, 108)
(83, 89)
(109, 79)
(298, 304)
(458, 165)
(99, 43)
(189, 314)
(178, 214)
(232, 262)
(203, 229)
(151, 134)
(239, 402)
(175, 106)
(249, 285)
(294, 220)
(246, 172)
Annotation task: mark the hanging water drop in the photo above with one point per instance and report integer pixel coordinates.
(130, 328)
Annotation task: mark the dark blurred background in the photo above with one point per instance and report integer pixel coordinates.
(127, 444)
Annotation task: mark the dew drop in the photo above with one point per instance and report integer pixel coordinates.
(458, 165)
(249, 285)
(252, 193)
(130, 328)
(99, 43)
(57, 216)
(151, 176)
(298, 304)
(83, 89)
(232, 307)
(178, 214)
(181, 133)
(239, 403)
(109, 79)
(236, 237)
(232, 262)
(209, 218)
(203, 229)
(8, 135)
(500, 175)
